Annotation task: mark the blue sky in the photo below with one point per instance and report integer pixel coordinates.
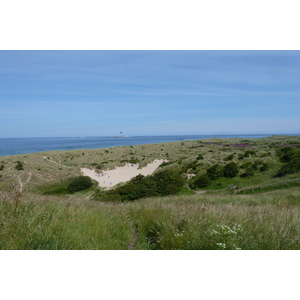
(100, 93)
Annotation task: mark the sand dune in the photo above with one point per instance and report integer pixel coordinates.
(110, 178)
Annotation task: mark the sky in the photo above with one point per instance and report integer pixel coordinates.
(103, 93)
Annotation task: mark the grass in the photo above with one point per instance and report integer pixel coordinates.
(271, 187)
(185, 191)
(268, 221)
(42, 216)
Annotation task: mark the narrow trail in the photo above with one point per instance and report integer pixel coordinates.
(134, 236)
(21, 184)
(54, 162)
(200, 192)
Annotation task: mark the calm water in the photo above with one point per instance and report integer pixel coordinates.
(13, 146)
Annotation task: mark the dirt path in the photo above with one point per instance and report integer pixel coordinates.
(21, 184)
(200, 192)
(54, 162)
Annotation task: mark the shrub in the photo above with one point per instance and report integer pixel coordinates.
(200, 156)
(231, 170)
(229, 157)
(287, 154)
(167, 182)
(248, 172)
(246, 165)
(290, 168)
(214, 172)
(255, 165)
(1, 167)
(241, 156)
(19, 166)
(249, 153)
(200, 181)
(134, 161)
(79, 184)
(191, 166)
(264, 167)
(166, 163)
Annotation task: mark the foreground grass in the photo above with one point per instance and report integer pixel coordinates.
(268, 221)
(62, 225)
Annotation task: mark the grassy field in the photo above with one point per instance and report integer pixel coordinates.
(216, 216)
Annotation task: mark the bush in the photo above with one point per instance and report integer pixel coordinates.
(166, 163)
(287, 154)
(231, 170)
(19, 166)
(190, 166)
(79, 184)
(200, 156)
(229, 157)
(246, 165)
(264, 167)
(241, 156)
(167, 182)
(200, 181)
(290, 168)
(1, 167)
(214, 172)
(249, 153)
(248, 172)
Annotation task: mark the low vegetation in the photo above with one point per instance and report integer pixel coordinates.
(211, 194)
(164, 183)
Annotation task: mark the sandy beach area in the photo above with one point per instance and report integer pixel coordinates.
(110, 178)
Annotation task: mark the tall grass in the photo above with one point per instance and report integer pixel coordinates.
(269, 221)
(62, 225)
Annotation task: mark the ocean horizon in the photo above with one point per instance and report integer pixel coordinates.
(17, 146)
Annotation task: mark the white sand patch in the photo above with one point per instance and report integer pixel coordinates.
(110, 178)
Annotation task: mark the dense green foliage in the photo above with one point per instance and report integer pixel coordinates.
(287, 154)
(291, 167)
(164, 183)
(291, 157)
(249, 153)
(200, 181)
(19, 166)
(79, 184)
(199, 157)
(229, 157)
(215, 172)
(231, 170)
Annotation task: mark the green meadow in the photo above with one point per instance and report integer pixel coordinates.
(216, 194)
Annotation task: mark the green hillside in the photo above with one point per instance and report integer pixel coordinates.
(211, 194)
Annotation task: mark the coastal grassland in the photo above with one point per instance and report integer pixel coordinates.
(266, 221)
(62, 224)
(36, 212)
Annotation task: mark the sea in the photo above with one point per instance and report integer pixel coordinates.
(15, 146)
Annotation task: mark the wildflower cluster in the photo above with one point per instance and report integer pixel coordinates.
(223, 236)
(179, 233)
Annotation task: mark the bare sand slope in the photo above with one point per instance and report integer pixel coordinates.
(110, 178)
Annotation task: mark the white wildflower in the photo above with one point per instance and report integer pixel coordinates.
(221, 245)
